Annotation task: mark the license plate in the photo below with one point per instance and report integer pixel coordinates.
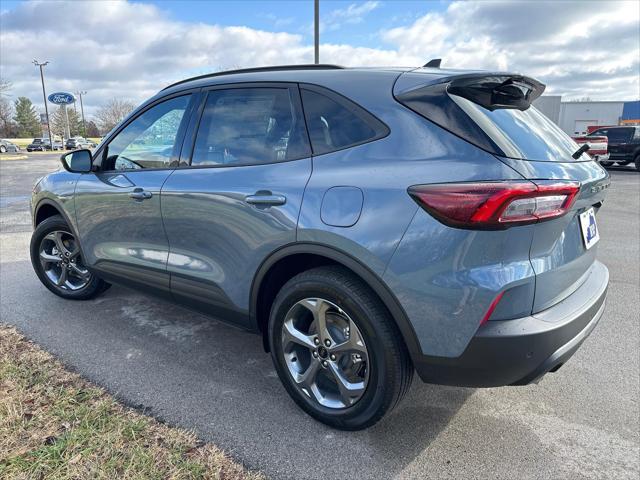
(590, 233)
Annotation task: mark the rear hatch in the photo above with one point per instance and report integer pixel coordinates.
(493, 111)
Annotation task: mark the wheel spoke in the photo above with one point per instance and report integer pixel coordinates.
(48, 257)
(319, 308)
(78, 272)
(349, 391)
(62, 279)
(307, 378)
(292, 335)
(354, 343)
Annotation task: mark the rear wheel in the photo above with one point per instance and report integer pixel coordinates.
(637, 162)
(336, 349)
(606, 164)
(3, 149)
(57, 260)
(624, 164)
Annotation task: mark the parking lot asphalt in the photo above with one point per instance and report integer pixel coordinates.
(198, 373)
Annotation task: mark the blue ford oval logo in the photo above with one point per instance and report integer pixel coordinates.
(61, 98)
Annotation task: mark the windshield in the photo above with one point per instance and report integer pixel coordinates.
(521, 134)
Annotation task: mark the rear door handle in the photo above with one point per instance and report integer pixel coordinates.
(140, 194)
(265, 199)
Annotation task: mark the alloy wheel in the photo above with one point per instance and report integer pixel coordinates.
(325, 353)
(61, 261)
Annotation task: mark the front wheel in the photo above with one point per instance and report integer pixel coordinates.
(57, 260)
(337, 350)
(3, 149)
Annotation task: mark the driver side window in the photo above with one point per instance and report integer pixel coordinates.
(149, 141)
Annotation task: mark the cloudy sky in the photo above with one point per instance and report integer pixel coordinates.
(133, 49)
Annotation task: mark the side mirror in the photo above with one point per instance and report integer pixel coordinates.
(78, 161)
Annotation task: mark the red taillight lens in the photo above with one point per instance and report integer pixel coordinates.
(495, 205)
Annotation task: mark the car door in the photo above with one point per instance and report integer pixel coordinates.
(118, 205)
(238, 196)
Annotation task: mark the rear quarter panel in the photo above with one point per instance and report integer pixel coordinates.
(432, 263)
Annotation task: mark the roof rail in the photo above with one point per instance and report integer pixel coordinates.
(275, 68)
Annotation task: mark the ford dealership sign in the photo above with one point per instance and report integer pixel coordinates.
(61, 98)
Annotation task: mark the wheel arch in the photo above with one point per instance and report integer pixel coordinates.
(290, 260)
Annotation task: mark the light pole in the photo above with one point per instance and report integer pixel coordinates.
(84, 127)
(316, 31)
(44, 97)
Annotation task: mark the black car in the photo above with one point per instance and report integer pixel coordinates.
(624, 145)
(42, 144)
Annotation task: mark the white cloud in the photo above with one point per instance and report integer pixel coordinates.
(354, 13)
(131, 50)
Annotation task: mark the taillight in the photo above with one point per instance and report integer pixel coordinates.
(495, 205)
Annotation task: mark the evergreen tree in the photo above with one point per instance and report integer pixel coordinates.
(92, 129)
(27, 118)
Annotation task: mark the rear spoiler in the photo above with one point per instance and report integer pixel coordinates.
(491, 90)
(497, 91)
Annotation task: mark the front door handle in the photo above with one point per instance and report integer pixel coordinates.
(140, 194)
(265, 199)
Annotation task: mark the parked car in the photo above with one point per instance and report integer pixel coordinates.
(7, 146)
(624, 144)
(597, 147)
(75, 143)
(368, 223)
(42, 144)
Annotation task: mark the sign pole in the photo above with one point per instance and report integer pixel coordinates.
(68, 129)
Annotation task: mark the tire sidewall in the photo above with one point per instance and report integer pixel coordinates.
(381, 369)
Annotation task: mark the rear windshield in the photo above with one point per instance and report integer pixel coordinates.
(521, 134)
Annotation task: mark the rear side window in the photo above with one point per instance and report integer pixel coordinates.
(619, 135)
(249, 126)
(335, 123)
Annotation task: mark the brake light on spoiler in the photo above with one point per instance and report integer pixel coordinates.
(495, 205)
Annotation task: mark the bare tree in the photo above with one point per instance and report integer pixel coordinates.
(7, 126)
(112, 113)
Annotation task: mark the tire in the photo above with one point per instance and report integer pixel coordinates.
(3, 149)
(53, 239)
(637, 162)
(606, 164)
(623, 164)
(379, 374)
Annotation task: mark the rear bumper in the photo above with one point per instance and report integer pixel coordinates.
(521, 351)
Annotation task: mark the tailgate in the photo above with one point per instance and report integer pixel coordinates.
(558, 253)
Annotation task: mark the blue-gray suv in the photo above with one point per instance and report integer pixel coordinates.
(368, 223)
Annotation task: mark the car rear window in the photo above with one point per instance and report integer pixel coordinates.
(521, 133)
(335, 123)
(525, 134)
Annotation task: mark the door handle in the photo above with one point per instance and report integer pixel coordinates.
(265, 199)
(140, 194)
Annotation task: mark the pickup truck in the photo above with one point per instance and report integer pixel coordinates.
(623, 144)
(598, 145)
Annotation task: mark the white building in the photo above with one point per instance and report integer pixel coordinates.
(574, 117)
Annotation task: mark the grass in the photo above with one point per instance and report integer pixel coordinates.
(12, 156)
(56, 425)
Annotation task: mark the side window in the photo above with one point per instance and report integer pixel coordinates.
(249, 126)
(149, 141)
(335, 123)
